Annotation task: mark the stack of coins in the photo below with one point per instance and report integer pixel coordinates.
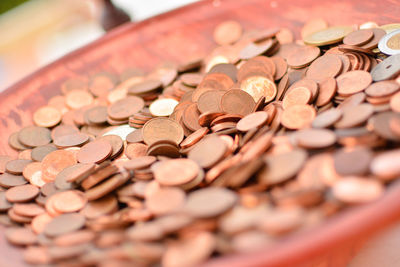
(265, 137)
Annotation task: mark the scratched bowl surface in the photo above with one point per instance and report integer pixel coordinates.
(187, 33)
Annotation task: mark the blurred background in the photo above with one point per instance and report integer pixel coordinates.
(36, 32)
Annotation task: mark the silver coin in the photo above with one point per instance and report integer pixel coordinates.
(387, 69)
(383, 44)
(122, 131)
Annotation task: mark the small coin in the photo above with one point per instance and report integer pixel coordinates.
(208, 151)
(298, 116)
(327, 90)
(355, 190)
(297, 96)
(165, 200)
(326, 66)
(358, 37)
(352, 161)
(354, 116)
(302, 56)
(47, 116)
(209, 202)
(237, 102)
(252, 121)
(76, 99)
(258, 87)
(38, 153)
(94, 152)
(69, 201)
(382, 88)
(124, 108)
(175, 171)
(227, 32)
(315, 138)
(210, 100)
(55, 162)
(22, 193)
(33, 136)
(327, 118)
(70, 140)
(8, 180)
(139, 163)
(353, 82)
(21, 236)
(17, 166)
(162, 129)
(64, 223)
(116, 142)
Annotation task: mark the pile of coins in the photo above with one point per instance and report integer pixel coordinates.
(264, 137)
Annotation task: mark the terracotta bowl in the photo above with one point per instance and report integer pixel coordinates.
(187, 33)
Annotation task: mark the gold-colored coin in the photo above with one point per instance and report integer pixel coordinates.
(390, 27)
(258, 86)
(328, 36)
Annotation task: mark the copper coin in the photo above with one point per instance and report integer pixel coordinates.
(192, 79)
(352, 161)
(385, 165)
(383, 88)
(209, 202)
(107, 186)
(3, 162)
(33, 136)
(64, 223)
(226, 68)
(122, 109)
(194, 137)
(327, 90)
(16, 166)
(208, 151)
(255, 49)
(373, 43)
(354, 116)
(96, 115)
(55, 162)
(237, 102)
(76, 139)
(353, 82)
(281, 167)
(136, 150)
(258, 87)
(227, 32)
(252, 121)
(32, 170)
(190, 117)
(327, 118)
(297, 96)
(315, 138)
(298, 116)
(139, 162)
(162, 129)
(8, 180)
(134, 137)
(302, 56)
(100, 207)
(209, 101)
(395, 102)
(28, 209)
(165, 200)
(144, 87)
(116, 142)
(63, 129)
(22, 193)
(175, 171)
(76, 99)
(47, 116)
(326, 66)
(69, 201)
(193, 251)
(4, 204)
(38, 153)
(20, 236)
(356, 190)
(359, 37)
(94, 152)
(14, 142)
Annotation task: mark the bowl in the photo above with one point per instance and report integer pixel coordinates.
(186, 33)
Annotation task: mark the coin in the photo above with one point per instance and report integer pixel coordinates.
(22, 193)
(237, 102)
(353, 82)
(163, 107)
(387, 69)
(302, 56)
(227, 32)
(327, 36)
(47, 116)
(298, 116)
(358, 37)
(64, 223)
(326, 66)
(54, 162)
(162, 129)
(175, 171)
(94, 152)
